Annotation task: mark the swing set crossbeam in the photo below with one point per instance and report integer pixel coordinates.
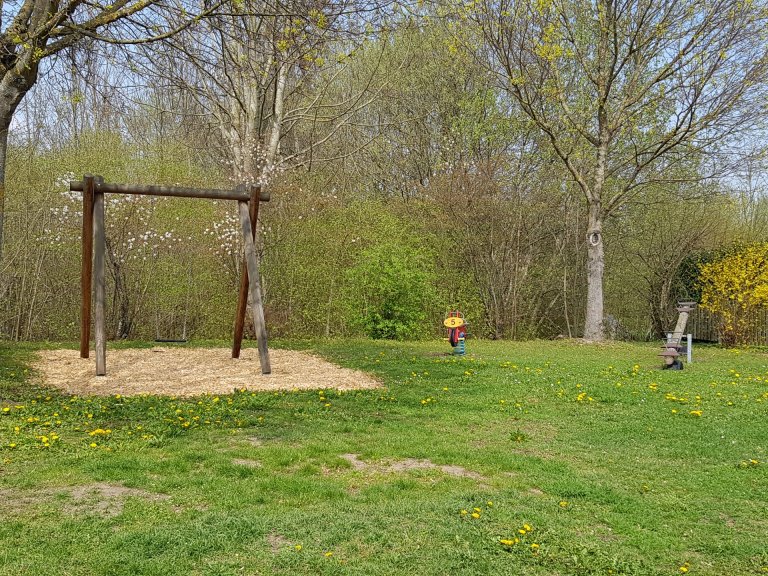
(240, 193)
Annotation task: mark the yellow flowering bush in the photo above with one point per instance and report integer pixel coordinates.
(734, 288)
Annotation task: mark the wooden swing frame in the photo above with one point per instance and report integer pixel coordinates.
(93, 189)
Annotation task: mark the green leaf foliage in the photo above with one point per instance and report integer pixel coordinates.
(390, 289)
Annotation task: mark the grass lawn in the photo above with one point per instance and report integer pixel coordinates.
(533, 458)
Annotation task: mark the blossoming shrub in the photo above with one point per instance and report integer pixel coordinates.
(734, 288)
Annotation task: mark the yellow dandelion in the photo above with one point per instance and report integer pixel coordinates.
(328, 554)
(298, 547)
(475, 515)
(507, 542)
(563, 504)
(535, 547)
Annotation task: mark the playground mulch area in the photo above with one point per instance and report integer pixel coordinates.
(193, 372)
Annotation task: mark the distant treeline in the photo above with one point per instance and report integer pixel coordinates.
(403, 186)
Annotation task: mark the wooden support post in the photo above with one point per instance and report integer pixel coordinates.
(254, 283)
(242, 297)
(86, 266)
(99, 241)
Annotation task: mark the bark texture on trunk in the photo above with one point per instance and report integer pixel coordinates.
(8, 106)
(3, 155)
(593, 324)
(593, 320)
(13, 88)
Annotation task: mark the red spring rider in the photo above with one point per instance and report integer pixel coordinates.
(457, 331)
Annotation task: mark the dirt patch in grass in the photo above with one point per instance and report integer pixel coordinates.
(411, 464)
(13, 502)
(193, 371)
(246, 463)
(277, 542)
(99, 499)
(105, 500)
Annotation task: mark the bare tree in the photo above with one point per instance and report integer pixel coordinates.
(260, 73)
(31, 31)
(628, 92)
(264, 80)
(652, 239)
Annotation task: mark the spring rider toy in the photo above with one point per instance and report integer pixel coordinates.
(457, 331)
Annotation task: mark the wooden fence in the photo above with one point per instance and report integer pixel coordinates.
(704, 326)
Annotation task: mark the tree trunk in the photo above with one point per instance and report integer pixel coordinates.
(277, 121)
(13, 88)
(7, 108)
(593, 325)
(4, 123)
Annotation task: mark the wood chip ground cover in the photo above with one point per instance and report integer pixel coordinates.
(193, 372)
